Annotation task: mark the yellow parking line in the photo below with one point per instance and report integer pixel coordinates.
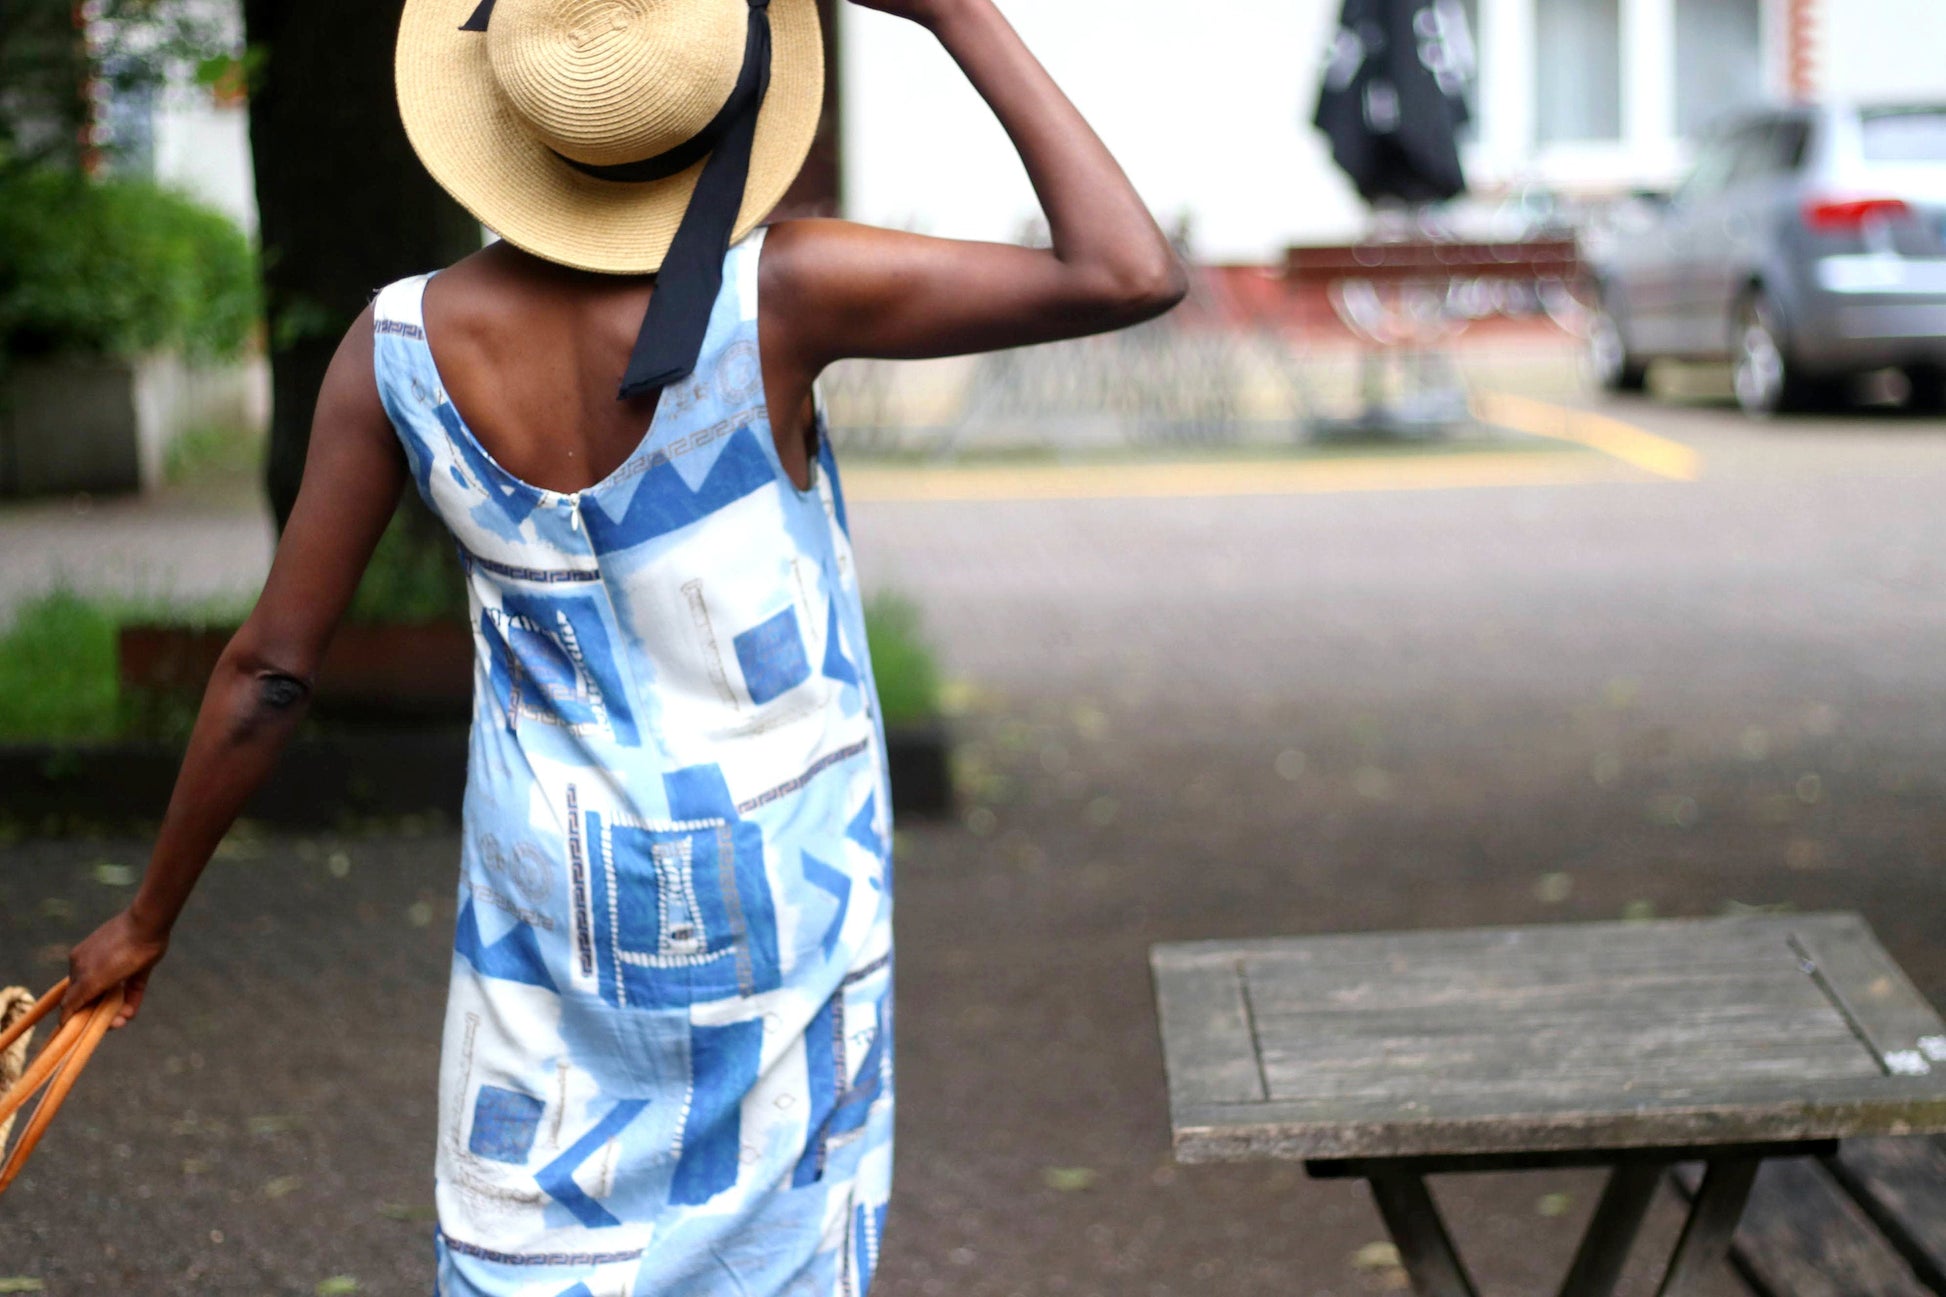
(878, 483)
(1612, 437)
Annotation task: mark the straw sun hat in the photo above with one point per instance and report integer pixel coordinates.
(556, 122)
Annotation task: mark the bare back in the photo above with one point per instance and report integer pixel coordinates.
(531, 353)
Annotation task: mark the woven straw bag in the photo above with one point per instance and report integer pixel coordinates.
(52, 1073)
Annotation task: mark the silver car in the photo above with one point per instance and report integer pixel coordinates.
(1807, 247)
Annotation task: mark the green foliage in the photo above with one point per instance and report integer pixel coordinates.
(47, 68)
(57, 671)
(58, 668)
(119, 267)
(212, 451)
(412, 577)
(902, 662)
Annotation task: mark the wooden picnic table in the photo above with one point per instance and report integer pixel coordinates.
(1635, 1046)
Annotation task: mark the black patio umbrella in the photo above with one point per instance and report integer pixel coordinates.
(1394, 98)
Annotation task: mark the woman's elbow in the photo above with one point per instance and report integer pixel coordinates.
(1150, 288)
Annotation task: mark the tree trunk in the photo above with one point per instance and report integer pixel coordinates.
(344, 206)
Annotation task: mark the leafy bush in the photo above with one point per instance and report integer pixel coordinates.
(119, 267)
(58, 676)
(902, 661)
(57, 671)
(412, 577)
(58, 668)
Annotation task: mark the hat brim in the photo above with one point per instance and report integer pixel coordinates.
(480, 153)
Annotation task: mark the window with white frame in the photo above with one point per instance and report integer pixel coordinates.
(1719, 60)
(1577, 71)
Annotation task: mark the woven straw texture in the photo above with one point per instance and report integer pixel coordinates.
(14, 1002)
(601, 81)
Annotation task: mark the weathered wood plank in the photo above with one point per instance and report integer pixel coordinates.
(1783, 984)
(1623, 1013)
(1606, 1072)
(1884, 1006)
(1802, 1237)
(1524, 1118)
(1492, 1040)
(1901, 1185)
(1707, 938)
(1209, 1050)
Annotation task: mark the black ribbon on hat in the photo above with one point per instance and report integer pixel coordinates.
(673, 328)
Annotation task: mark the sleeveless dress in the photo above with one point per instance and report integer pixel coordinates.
(667, 1060)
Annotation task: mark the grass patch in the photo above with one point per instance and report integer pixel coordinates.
(903, 663)
(212, 451)
(58, 678)
(57, 671)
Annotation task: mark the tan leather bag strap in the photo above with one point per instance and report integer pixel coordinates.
(55, 1069)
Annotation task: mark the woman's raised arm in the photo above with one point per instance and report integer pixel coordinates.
(834, 289)
(261, 687)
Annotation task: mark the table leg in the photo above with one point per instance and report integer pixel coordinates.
(1424, 1247)
(1611, 1232)
(1712, 1223)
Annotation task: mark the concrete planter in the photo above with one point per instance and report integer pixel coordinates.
(74, 423)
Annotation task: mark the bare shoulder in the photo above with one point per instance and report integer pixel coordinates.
(809, 262)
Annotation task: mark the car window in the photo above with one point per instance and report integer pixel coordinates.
(1716, 159)
(1755, 148)
(1793, 143)
(1904, 134)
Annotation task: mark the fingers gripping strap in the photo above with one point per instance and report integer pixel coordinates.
(58, 1067)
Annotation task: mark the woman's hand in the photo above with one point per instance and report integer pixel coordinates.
(121, 952)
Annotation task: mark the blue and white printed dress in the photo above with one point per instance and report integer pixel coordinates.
(667, 1064)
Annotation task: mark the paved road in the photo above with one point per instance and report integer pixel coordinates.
(1232, 715)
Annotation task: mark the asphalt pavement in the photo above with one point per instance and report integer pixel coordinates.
(1273, 707)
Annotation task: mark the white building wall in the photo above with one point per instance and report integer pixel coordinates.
(204, 148)
(1881, 49)
(1207, 106)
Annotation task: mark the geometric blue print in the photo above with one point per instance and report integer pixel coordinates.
(516, 957)
(667, 1064)
(557, 1177)
(681, 914)
(504, 1122)
(664, 503)
(838, 883)
(822, 1052)
(836, 665)
(725, 1066)
(772, 657)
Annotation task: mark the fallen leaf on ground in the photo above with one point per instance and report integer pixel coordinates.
(21, 1283)
(337, 1286)
(1553, 1204)
(1376, 1256)
(283, 1185)
(408, 1211)
(1068, 1179)
(110, 874)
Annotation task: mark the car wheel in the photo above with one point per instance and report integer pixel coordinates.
(1609, 359)
(1766, 379)
(1928, 389)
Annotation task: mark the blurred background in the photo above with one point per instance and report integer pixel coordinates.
(1532, 515)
